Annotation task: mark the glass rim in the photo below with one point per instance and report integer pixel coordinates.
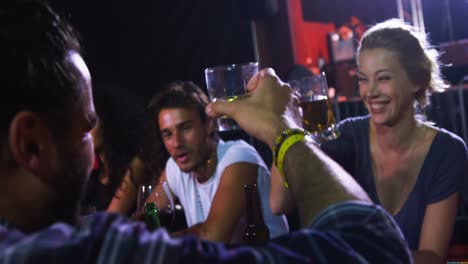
(230, 67)
(320, 75)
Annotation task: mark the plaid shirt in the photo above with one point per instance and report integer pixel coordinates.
(344, 233)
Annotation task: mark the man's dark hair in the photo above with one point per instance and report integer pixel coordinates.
(180, 94)
(35, 71)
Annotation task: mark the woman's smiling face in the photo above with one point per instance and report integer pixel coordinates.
(385, 87)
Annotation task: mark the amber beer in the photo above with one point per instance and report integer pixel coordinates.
(256, 231)
(317, 113)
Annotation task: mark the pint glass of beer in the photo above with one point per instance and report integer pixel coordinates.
(318, 117)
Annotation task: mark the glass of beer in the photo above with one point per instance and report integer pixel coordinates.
(318, 117)
(228, 82)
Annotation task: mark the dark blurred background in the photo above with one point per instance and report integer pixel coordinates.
(142, 45)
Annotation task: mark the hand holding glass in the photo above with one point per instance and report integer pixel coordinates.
(318, 117)
(229, 82)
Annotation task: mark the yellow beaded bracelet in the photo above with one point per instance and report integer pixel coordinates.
(287, 139)
(280, 139)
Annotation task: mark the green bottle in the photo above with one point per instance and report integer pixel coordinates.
(151, 216)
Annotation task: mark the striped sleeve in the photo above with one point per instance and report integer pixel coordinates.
(343, 233)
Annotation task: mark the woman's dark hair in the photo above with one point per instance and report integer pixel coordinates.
(127, 132)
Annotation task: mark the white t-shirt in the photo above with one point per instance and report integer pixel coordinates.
(196, 197)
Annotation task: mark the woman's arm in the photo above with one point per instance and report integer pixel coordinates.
(125, 198)
(436, 230)
(281, 200)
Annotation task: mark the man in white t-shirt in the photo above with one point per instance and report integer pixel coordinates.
(205, 173)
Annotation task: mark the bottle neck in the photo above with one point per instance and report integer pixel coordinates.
(151, 216)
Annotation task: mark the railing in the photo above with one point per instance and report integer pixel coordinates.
(448, 110)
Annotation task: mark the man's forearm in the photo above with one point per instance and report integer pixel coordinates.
(316, 181)
(426, 257)
(200, 230)
(194, 230)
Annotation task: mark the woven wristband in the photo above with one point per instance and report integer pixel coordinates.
(285, 143)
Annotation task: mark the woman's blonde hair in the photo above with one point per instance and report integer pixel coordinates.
(416, 55)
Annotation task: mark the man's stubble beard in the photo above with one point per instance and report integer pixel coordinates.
(70, 186)
(206, 156)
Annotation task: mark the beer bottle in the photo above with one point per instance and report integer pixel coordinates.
(151, 216)
(256, 232)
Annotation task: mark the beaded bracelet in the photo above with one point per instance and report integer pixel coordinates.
(286, 133)
(288, 138)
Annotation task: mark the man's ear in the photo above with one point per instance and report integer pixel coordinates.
(30, 142)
